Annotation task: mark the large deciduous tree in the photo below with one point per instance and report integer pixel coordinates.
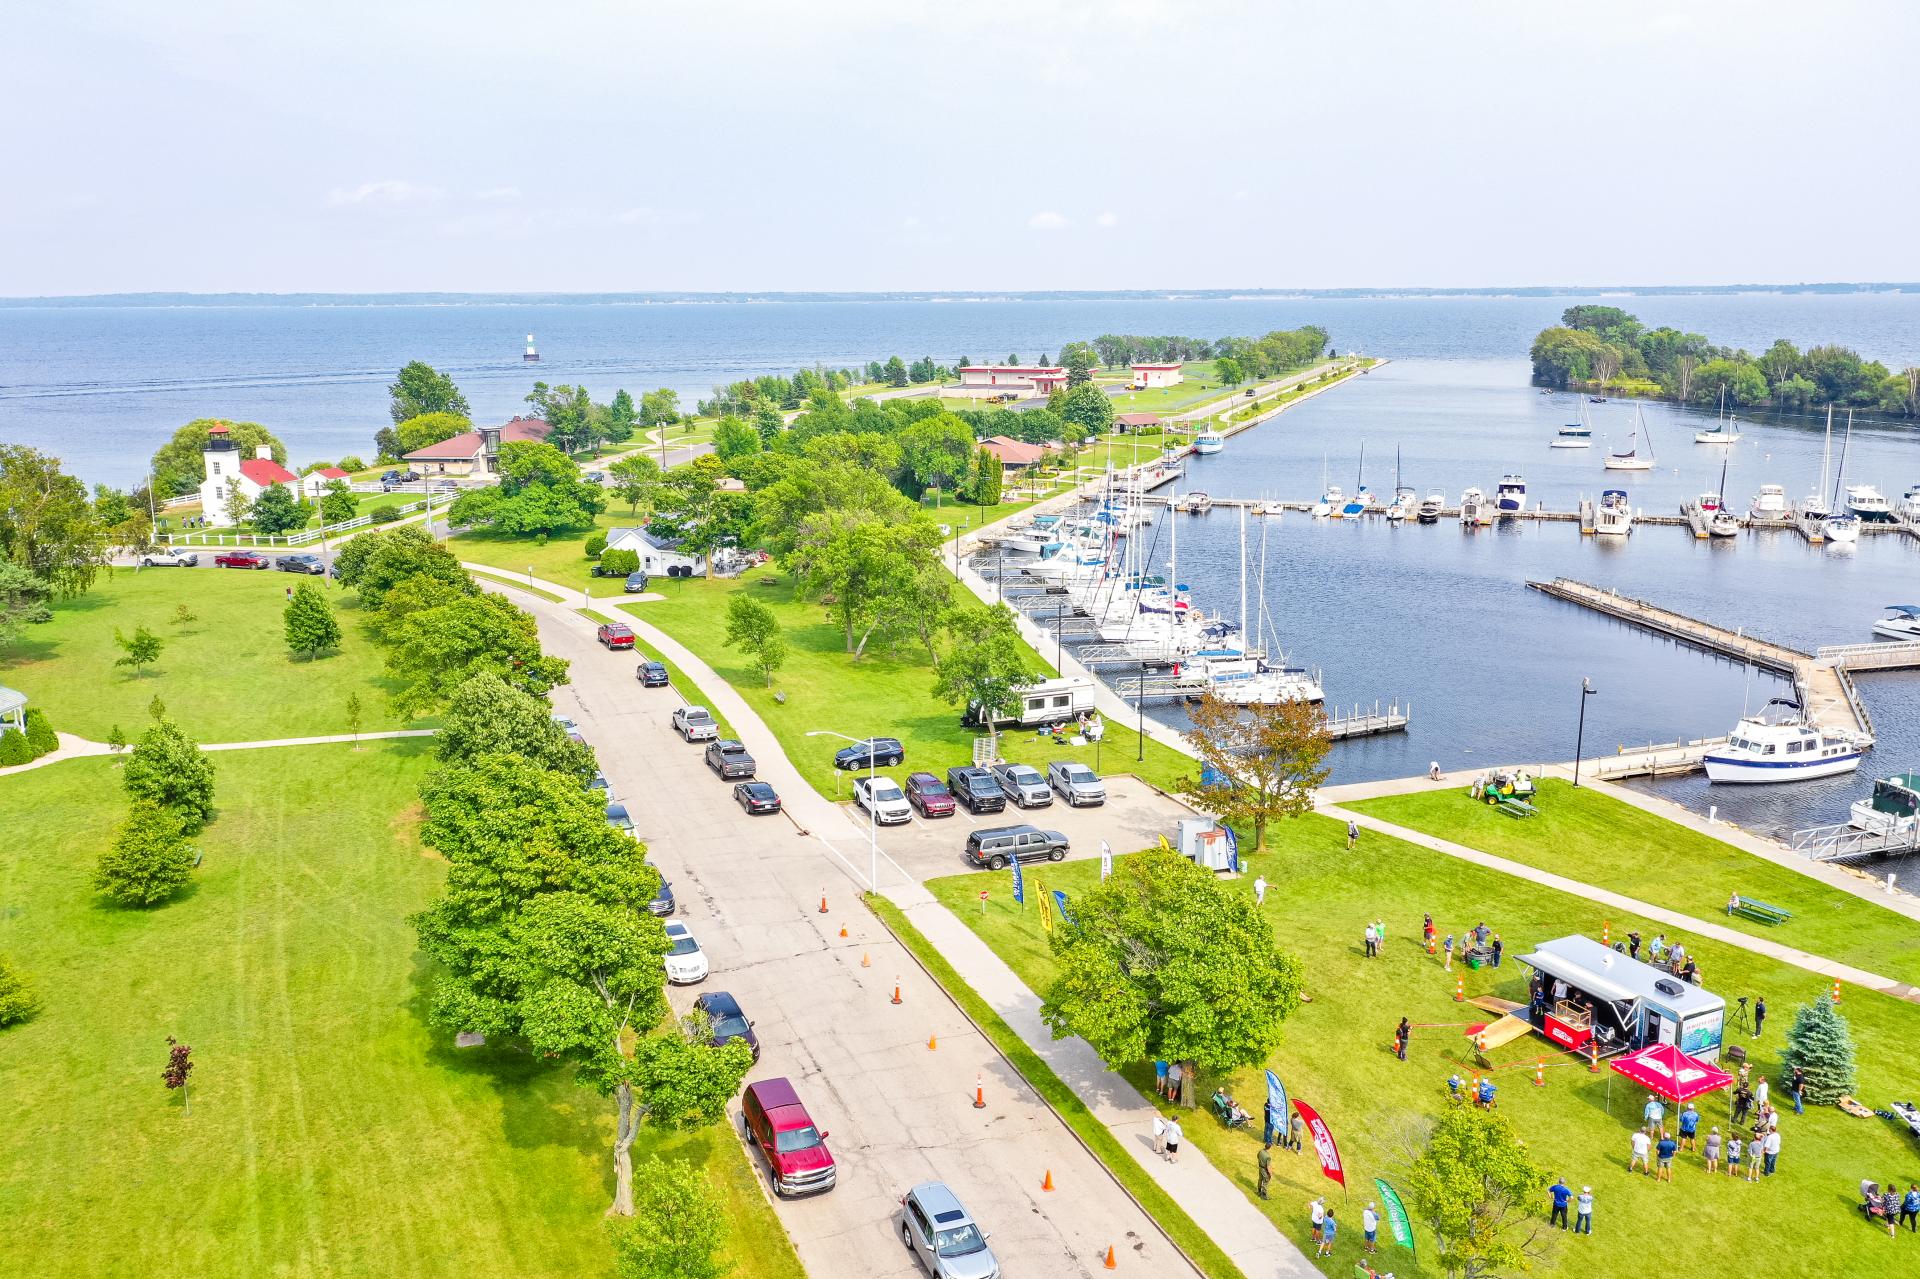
(47, 525)
(310, 625)
(1475, 1185)
(755, 631)
(487, 716)
(376, 562)
(569, 411)
(277, 510)
(422, 389)
(149, 860)
(635, 479)
(540, 491)
(434, 650)
(1085, 406)
(178, 466)
(982, 663)
(169, 768)
(430, 428)
(1162, 962)
(865, 570)
(1271, 757)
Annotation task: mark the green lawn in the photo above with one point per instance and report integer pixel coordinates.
(881, 695)
(1599, 840)
(561, 559)
(225, 677)
(332, 1133)
(1336, 1056)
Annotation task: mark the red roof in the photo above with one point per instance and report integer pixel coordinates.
(266, 472)
(218, 428)
(1026, 370)
(1138, 419)
(467, 443)
(332, 473)
(1008, 449)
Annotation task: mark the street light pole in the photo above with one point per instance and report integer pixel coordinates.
(873, 829)
(1579, 735)
(1140, 705)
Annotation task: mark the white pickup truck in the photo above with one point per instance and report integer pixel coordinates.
(695, 724)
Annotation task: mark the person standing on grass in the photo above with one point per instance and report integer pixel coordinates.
(1400, 1038)
(1449, 949)
(1368, 942)
(1734, 1152)
(1160, 1078)
(1772, 1148)
(1317, 1213)
(1797, 1085)
(1298, 1130)
(1259, 890)
(1426, 929)
(1270, 1125)
(1173, 1140)
(1264, 1161)
(1759, 1015)
(1498, 946)
(1379, 935)
(1327, 1230)
(1353, 833)
(1689, 1125)
(1890, 1208)
(1711, 1149)
(1756, 1156)
(1665, 1151)
(1742, 1100)
(1174, 1075)
(1654, 1114)
(1633, 944)
(1562, 1196)
(1583, 1214)
(1370, 1226)
(1642, 1149)
(1910, 1208)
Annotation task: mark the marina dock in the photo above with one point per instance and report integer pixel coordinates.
(1821, 680)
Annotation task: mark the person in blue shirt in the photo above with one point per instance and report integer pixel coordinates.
(1562, 1195)
(1689, 1124)
(1486, 1093)
(1655, 1114)
(1910, 1208)
(1664, 1150)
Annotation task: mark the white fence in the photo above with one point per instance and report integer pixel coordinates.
(305, 537)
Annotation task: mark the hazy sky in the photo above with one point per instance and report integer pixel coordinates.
(359, 145)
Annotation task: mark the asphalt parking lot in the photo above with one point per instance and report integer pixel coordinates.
(1131, 819)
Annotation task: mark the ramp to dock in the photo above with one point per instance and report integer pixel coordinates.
(1503, 1031)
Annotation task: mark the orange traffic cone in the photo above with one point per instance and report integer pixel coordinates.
(932, 1043)
(1593, 1060)
(1540, 1074)
(896, 988)
(843, 930)
(1459, 990)
(1836, 990)
(1606, 933)
(866, 961)
(1047, 1183)
(1430, 948)
(1111, 1264)
(823, 901)
(979, 1092)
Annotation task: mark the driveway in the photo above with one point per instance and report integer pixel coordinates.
(899, 1110)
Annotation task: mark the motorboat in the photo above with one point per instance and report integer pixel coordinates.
(1475, 510)
(1037, 534)
(1902, 622)
(1723, 430)
(1633, 459)
(1357, 505)
(1764, 749)
(1596, 399)
(1511, 495)
(1909, 508)
(1196, 502)
(1769, 505)
(1723, 523)
(1893, 809)
(1430, 507)
(1572, 437)
(1867, 502)
(1207, 443)
(1613, 517)
(1270, 508)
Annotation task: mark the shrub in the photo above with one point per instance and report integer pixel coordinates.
(17, 1000)
(352, 463)
(40, 734)
(149, 859)
(14, 749)
(619, 563)
(385, 515)
(596, 544)
(168, 768)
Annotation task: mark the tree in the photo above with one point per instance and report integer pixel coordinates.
(375, 562)
(354, 714)
(426, 429)
(422, 389)
(47, 525)
(1086, 406)
(179, 1066)
(40, 734)
(310, 623)
(236, 508)
(755, 631)
(621, 416)
(936, 450)
(734, 438)
(18, 1001)
(277, 510)
(1565, 355)
(658, 408)
(635, 479)
(1477, 1188)
(1080, 359)
(434, 650)
(1162, 962)
(569, 410)
(1229, 372)
(678, 1229)
(169, 768)
(23, 601)
(862, 567)
(1819, 1043)
(988, 479)
(983, 663)
(896, 372)
(116, 739)
(178, 465)
(540, 491)
(486, 716)
(149, 860)
(1270, 755)
(1743, 382)
(338, 503)
(142, 649)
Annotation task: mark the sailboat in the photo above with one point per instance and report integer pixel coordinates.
(1812, 513)
(1842, 525)
(1722, 522)
(1331, 498)
(1724, 431)
(1575, 436)
(1633, 459)
(1405, 501)
(1362, 501)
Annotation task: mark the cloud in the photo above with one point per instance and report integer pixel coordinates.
(497, 194)
(1048, 220)
(642, 216)
(391, 191)
(1107, 219)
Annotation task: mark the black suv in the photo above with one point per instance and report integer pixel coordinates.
(883, 752)
(651, 674)
(976, 788)
(995, 847)
(729, 759)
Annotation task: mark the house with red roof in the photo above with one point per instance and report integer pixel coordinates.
(475, 452)
(227, 473)
(314, 483)
(1014, 455)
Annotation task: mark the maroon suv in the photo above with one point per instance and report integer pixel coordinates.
(929, 794)
(614, 635)
(778, 1126)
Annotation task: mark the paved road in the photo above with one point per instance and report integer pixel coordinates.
(898, 1112)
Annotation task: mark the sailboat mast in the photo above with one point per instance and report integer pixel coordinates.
(1826, 452)
(1243, 575)
(1840, 476)
(1360, 480)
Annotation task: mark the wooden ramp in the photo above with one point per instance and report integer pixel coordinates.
(1495, 1004)
(1504, 1031)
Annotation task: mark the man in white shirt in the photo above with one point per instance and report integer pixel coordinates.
(1370, 1226)
(1642, 1145)
(1260, 890)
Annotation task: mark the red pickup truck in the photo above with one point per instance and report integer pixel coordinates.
(614, 635)
(240, 559)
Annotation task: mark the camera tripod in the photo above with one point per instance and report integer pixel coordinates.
(1740, 1015)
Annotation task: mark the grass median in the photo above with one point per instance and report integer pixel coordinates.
(1104, 1146)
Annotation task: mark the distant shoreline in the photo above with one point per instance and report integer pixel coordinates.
(776, 297)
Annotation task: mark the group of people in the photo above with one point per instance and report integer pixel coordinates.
(1563, 1196)
(1374, 937)
(1321, 1216)
(1654, 1146)
(1672, 957)
(1894, 1208)
(1479, 938)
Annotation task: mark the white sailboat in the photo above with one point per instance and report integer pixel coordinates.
(1724, 431)
(1633, 459)
(1573, 436)
(1405, 502)
(1843, 526)
(1362, 501)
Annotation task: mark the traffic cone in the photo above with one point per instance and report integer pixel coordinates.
(979, 1092)
(843, 930)
(1606, 933)
(1111, 1264)
(932, 1043)
(1430, 947)
(1047, 1183)
(866, 961)
(1540, 1074)
(896, 988)
(1836, 990)
(1593, 1060)
(1459, 990)
(823, 901)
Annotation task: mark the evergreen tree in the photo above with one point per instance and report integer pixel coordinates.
(149, 859)
(310, 623)
(1820, 1044)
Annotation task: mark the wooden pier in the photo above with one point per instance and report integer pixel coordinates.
(1361, 722)
(1821, 680)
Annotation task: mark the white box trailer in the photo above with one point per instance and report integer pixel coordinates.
(1051, 701)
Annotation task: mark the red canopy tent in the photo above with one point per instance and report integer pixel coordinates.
(1664, 1069)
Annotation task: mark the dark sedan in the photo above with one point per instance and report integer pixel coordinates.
(663, 903)
(757, 798)
(301, 564)
(652, 674)
(726, 1021)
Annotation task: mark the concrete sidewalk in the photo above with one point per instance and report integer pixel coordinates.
(1620, 901)
(72, 747)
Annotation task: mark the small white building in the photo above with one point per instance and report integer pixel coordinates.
(1148, 376)
(1012, 379)
(227, 473)
(314, 485)
(659, 556)
(13, 710)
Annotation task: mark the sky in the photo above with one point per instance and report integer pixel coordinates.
(713, 145)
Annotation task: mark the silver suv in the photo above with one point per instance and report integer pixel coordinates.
(1023, 784)
(943, 1236)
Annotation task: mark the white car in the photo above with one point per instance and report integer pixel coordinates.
(883, 797)
(167, 557)
(686, 962)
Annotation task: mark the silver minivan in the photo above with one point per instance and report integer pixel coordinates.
(943, 1236)
(1023, 784)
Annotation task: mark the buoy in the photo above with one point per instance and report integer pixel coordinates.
(865, 960)
(823, 901)
(979, 1092)
(896, 988)
(1047, 1183)
(1540, 1074)
(843, 930)
(1459, 990)
(1111, 1263)
(932, 1043)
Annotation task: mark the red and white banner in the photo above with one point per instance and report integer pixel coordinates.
(1322, 1143)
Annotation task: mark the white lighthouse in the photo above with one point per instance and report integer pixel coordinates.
(532, 356)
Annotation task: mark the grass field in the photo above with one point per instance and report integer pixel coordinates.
(879, 695)
(224, 677)
(1337, 1056)
(560, 559)
(1599, 840)
(332, 1133)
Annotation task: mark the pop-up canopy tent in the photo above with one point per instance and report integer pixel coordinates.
(1622, 1002)
(1666, 1070)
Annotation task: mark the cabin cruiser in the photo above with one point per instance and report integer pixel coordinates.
(1243, 679)
(1902, 622)
(1270, 508)
(1909, 508)
(1195, 503)
(1207, 443)
(1511, 495)
(1475, 510)
(1037, 534)
(1769, 505)
(1785, 748)
(1573, 437)
(1430, 508)
(1867, 502)
(1894, 808)
(1614, 516)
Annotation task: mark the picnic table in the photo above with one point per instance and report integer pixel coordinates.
(1755, 909)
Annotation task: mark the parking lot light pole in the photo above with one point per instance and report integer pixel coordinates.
(1579, 734)
(873, 828)
(1140, 704)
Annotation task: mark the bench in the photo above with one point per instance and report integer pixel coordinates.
(1758, 911)
(1516, 808)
